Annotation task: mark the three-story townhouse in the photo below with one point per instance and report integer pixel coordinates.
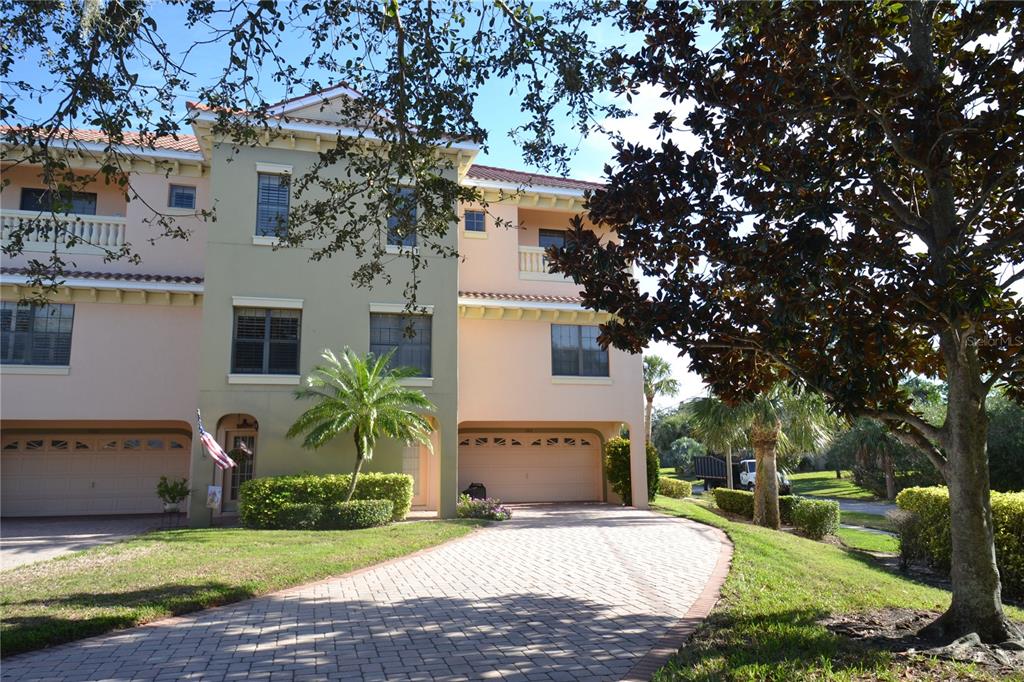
(227, 323)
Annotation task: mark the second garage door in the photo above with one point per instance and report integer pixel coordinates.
(50, 474)
(532, 467)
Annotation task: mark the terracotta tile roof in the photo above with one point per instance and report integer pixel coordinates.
(521, 298)
(182, 143)
(494, 174)
(114, 276)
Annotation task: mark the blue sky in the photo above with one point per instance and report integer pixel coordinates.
(497, 112)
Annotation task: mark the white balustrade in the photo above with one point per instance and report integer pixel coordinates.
(37, 229)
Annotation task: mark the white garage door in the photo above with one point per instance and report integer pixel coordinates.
(68, 474)
(532, 467)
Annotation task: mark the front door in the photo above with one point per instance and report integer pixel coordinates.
(414, 463)
(242, 449)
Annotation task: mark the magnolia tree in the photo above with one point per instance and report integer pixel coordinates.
(841, 208)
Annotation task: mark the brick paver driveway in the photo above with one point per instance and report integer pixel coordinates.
(558, 593)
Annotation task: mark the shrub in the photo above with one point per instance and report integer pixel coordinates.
(928, 537)
(787, 503)
(172, 491)
(670, 487)
(816, 518)
(261, 498)
(298, 516)
(358, 514)
(616, 467)
(735, 501)
(487, 508)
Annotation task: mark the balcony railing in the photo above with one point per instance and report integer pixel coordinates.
(533, 264)
(40, 229)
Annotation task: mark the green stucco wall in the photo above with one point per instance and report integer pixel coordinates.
(334, 314)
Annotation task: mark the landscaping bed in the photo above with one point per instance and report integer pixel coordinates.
(168, 573)
(781, 590)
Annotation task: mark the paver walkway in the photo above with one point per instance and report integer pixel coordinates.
(23, 541)
(577, 592)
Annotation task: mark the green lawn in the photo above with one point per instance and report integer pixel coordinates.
(872, 542)
(825, 484)
(867, 520)
(764, 628)
(172, 572)
(670, 472)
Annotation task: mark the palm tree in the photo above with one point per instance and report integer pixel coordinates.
(719, 427)
(657, 381)
(779, 420)
(363, 396)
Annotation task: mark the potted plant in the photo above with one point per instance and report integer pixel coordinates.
(172, 492)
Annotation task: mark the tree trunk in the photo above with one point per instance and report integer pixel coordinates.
(890, 476)
(648, 424)
(764, 440)
(977, 595)
(360, 457)
(729, 483)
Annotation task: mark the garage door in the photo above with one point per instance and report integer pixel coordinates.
(532, 467)
(67, 474)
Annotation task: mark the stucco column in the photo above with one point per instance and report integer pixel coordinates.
(638, 465)
(449, 474)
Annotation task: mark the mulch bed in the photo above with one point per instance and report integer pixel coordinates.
(896, 630)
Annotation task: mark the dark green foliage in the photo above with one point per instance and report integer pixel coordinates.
(925, 533)
(816, 518)
(1005, 444)
(735, 501)
(670, 487)
(358, 514)
(787, 503)
(668, 428)
(616, 467)
(298, 516)
(261, 498)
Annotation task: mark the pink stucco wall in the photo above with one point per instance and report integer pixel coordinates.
(171, 256)
(128, 362)
(505, 374)
(492, 264)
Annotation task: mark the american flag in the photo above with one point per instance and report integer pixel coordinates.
(213, 448)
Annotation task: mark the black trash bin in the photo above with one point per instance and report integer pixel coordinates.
(477, 491)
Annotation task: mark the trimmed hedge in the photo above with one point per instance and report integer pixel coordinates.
(298, 516)
(816, 518)
(925, 535)
(787, 503)
(358, 514)
(260, 499)
(735, 501)
(670, 487)
(616, 468)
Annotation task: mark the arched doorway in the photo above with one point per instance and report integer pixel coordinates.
(238, 434)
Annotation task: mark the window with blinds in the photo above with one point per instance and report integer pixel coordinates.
(273, 192)
(265, 341)
(408, 335)
(36, 335)
(576, 352)
(475, 221)
(181, 196)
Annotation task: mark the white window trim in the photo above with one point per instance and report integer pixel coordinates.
(273, 168)
(472, 234)
(259, 302)
(399, 309)
(54, 370)
(396, 249)
(265, 379)
(422, 382)
(263, 240)
(586, 381)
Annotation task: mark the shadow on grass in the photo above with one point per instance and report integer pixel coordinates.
(768, 646)
(119, 610)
